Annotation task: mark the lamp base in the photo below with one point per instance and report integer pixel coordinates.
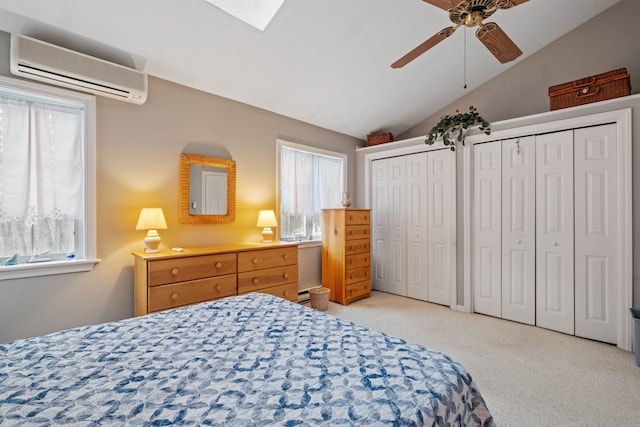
(267, 235)
(151, 242)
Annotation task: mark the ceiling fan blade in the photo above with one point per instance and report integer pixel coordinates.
(444, 4)
(425, 46)
(498, 42)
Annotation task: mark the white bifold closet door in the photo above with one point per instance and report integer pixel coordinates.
(504, 229)
(545, 236)
(554, 231)
(596, 233)
(518, 230)
(414, 225)
(487, 228)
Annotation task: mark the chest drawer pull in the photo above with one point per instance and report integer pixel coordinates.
(255, 260)
(218, 265)
(218, 287)
(175, 271)
(174, 296)
(285, 275)
(255, 280)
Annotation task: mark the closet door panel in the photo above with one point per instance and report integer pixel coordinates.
(518, 230)
(596, 201)
(554, 232)
(397, 226)
(379, 225)
(487, 229)
(441, 224)
(417, 252)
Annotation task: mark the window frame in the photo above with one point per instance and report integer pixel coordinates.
(312, 150)
(87, 241)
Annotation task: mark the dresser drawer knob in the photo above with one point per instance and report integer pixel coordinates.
(255, 260)
(285, 293)
(174, 296)
(174, 271)
(285, 256)
(218, 265)
(285, 275)
(218, 287)
(255, 280)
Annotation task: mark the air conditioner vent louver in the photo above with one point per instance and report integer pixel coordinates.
(52, 64)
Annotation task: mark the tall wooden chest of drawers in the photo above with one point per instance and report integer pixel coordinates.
(170, 279)
(346, 254)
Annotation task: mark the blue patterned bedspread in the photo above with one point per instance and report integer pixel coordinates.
(252, 360)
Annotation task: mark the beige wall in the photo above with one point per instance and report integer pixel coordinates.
(137, 166)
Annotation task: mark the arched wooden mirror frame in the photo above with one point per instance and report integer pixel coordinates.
(186, 160)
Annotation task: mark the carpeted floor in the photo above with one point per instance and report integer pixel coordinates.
(528, 376)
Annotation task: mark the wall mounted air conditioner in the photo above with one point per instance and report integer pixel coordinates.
(45, 62)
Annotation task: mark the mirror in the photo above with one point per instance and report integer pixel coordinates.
(207, 190)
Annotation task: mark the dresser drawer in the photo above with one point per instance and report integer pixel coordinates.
(255, 280)
(179, 294)
(288, 291)
(357, 275)
(172, 270)
(357, 260)
(356, 217)
(352, 232)
(356, 246)
(358, 290)
(267, 258)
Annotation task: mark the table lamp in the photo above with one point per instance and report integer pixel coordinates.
(267, 219)
(151, 219)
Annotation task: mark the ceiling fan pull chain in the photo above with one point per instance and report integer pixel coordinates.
(465, 57)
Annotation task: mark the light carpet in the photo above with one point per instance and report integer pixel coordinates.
(528, 376)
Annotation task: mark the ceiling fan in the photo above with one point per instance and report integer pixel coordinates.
(471, 13)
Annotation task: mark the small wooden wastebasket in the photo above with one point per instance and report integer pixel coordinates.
(319, 298)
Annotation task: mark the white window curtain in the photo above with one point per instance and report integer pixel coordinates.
(40, 177)
(309, 182)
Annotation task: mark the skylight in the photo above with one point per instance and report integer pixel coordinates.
(257, 13)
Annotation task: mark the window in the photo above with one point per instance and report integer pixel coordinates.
(310, 179)
(47, 180)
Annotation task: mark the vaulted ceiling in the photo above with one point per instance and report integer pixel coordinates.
(325, 62)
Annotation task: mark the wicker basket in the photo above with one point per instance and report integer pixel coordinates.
(379, 138)
(319, 298)
(612, 84)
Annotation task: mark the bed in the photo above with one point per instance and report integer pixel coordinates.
(251, 360)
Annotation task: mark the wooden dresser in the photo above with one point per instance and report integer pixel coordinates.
(346, 254)
(170, 279)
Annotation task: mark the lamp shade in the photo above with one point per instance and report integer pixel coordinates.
(151, 219)
(267, 218)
